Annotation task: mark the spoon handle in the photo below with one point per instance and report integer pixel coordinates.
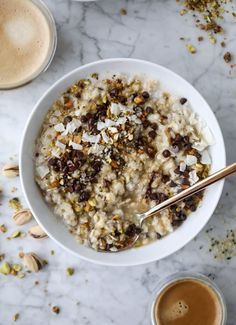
(197, 187)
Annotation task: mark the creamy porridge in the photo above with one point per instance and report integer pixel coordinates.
(113, 146)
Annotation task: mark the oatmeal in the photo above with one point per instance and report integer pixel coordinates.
(116, 146)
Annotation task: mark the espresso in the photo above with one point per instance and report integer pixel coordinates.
(25, 39)
(186, 302)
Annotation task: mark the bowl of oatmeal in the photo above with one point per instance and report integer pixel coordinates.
(110, 140)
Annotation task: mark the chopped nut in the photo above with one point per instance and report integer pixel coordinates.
(222, 44)
(212, 38)
(191, 48)
(70, 271)
(20, 275)
(17, 267)
(56, 309)
(139, 100)
(227, 57)
(21, 254)
(37, 232)
(10, 170)
(15, 204)
(15, 317)
(5, 268)
(22, 217)
(16, 234)
(33, 262)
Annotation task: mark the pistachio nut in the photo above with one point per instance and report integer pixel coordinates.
(22, 217)
(5, 268)
(10, 170)
(37, 232)
(33, 262)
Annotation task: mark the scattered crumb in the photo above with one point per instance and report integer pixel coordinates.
(56, 309)
(14, 189)
(15, 317)
(224, 248)
(191, 48)
(21, 254)
(123, 12)
(52, 252)
(36, 283)
(200, 38)
(15, 204)
(70, 271)
(3, 228)
(227, 57)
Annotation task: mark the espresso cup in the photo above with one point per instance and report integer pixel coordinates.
(170, 306)
(28, 39)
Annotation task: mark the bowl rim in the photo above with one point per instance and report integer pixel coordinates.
(145, 260)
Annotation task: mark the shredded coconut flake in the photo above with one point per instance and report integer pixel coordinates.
(59, 127)
(91, 138)
(190, 160)
(205, 159)
(75, 146)
(42, 171)
(60, 145)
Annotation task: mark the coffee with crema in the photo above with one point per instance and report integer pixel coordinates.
(25, 39)
(188, 302)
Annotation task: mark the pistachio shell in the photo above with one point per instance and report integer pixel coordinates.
(10, 170)
(37, 232)
(33, 262)
(22, 217)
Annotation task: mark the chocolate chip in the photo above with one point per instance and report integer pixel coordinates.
(172, 184)
(176, 223)
(89, 116)
(178, 138)
(152, 134)
(132, 230)
(145, 94)
(151, 152)
(165, 178)
(186, 139)
(185, 181)
(182, 100)
(67, 119)
(138, 110)
(96, 165)
(83, 119)
(146, 124)
(113, 92)
(154, 196)
(84, 196)
(166, 153)
(158, 235)
(149, 110)
(154, 126)
(52, 161)
(79, 154)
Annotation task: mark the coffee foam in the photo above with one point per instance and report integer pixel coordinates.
(175, 311)
(25, 39)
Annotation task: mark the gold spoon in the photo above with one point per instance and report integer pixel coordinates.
(197, 187)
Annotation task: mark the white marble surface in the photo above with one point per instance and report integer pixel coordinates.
(106, 295)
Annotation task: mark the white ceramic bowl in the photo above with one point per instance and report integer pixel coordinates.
(56, 229)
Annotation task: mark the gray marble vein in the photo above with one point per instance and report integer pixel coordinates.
(106, 295)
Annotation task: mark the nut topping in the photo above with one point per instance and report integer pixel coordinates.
(22, 217)
(10, 170)
(33, 262)
(37, 232)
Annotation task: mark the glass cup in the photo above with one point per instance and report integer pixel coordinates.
(51, 51)
(190, 276)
